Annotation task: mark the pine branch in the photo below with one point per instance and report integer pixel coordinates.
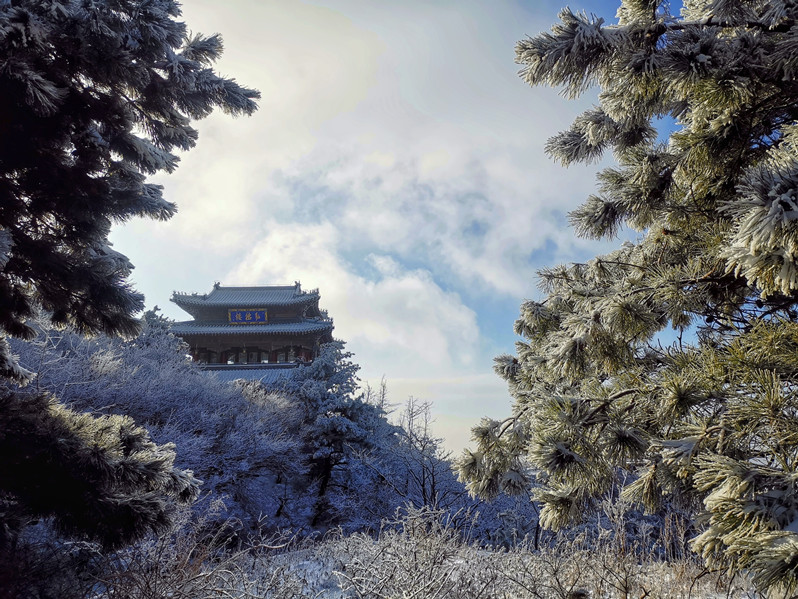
(784, 27)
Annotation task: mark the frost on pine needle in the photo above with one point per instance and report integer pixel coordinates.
(764, 244)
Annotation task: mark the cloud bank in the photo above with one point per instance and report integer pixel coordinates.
(396, 164)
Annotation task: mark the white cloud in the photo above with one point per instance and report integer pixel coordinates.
(380, 101)
(469, 218)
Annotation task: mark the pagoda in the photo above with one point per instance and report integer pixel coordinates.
(243, 331)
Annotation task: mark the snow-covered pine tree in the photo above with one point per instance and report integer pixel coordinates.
(337, 431)
(711, 419)
(98, 477)
(95, 96)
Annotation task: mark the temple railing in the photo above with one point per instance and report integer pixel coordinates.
(267, 366)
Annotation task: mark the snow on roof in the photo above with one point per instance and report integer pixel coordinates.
(191, 327)
(248, 297)
(268, 376)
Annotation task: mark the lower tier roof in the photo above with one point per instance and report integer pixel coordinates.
(278, 328)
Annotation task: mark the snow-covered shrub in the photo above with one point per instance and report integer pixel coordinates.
(421, 555)
(416, 555)
(237, 448)
(195, 561)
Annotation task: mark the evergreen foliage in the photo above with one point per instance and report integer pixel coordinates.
(102, 478)
(711, 420)
(96, 95)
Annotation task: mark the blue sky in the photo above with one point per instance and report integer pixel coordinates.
(397, 164)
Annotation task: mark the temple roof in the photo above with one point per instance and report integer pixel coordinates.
(247, 297)
(191, 327)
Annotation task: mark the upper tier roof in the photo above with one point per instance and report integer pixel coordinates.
(246, 297)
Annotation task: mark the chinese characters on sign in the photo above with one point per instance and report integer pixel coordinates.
(247, 316)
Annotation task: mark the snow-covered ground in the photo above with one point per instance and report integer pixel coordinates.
(419, 558)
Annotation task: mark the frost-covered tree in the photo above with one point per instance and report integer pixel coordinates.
(338, 429)
(710, 419)
(97, 94)
(426, 478)
(257, 448)
(299, 454)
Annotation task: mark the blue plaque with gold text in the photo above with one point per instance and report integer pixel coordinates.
(257, 316)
